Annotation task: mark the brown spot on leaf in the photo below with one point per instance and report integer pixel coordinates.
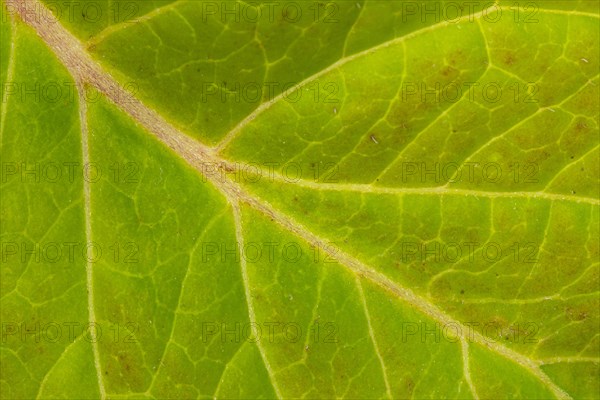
(509, 59)
(580, 127)
(448, 71)
(410, 385)
(574, 314)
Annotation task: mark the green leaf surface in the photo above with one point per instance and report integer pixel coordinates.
(350, 199)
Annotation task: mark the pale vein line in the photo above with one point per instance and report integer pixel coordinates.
(401, 292)
(466, 367)
(425, 129)
(102, 35)
(570, 164)
(225, 370)
(492, 300)
(70, 51)
(89, 266)
(443, 114)
(540, 249)
(9, 72)
(424, 191)
(20, 360)
(266, 105)
(209, 224)
(240, 242)
(62, 355)
(569, 12)
(80, 64)
(556, 360)
(372, 333)
(524, 121)
(590, 343)
(351, 30)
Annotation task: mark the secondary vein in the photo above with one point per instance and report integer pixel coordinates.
(9, 72)
(240, 243)
(89, 266)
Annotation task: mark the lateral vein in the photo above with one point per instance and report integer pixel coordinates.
(240, 242)
(467, 368)
(9, 72)
(89, 266)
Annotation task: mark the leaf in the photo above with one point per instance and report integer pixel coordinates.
(411, 210)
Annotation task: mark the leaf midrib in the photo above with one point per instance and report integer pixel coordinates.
(70, 51)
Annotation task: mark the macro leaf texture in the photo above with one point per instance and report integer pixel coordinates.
(347, 199)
